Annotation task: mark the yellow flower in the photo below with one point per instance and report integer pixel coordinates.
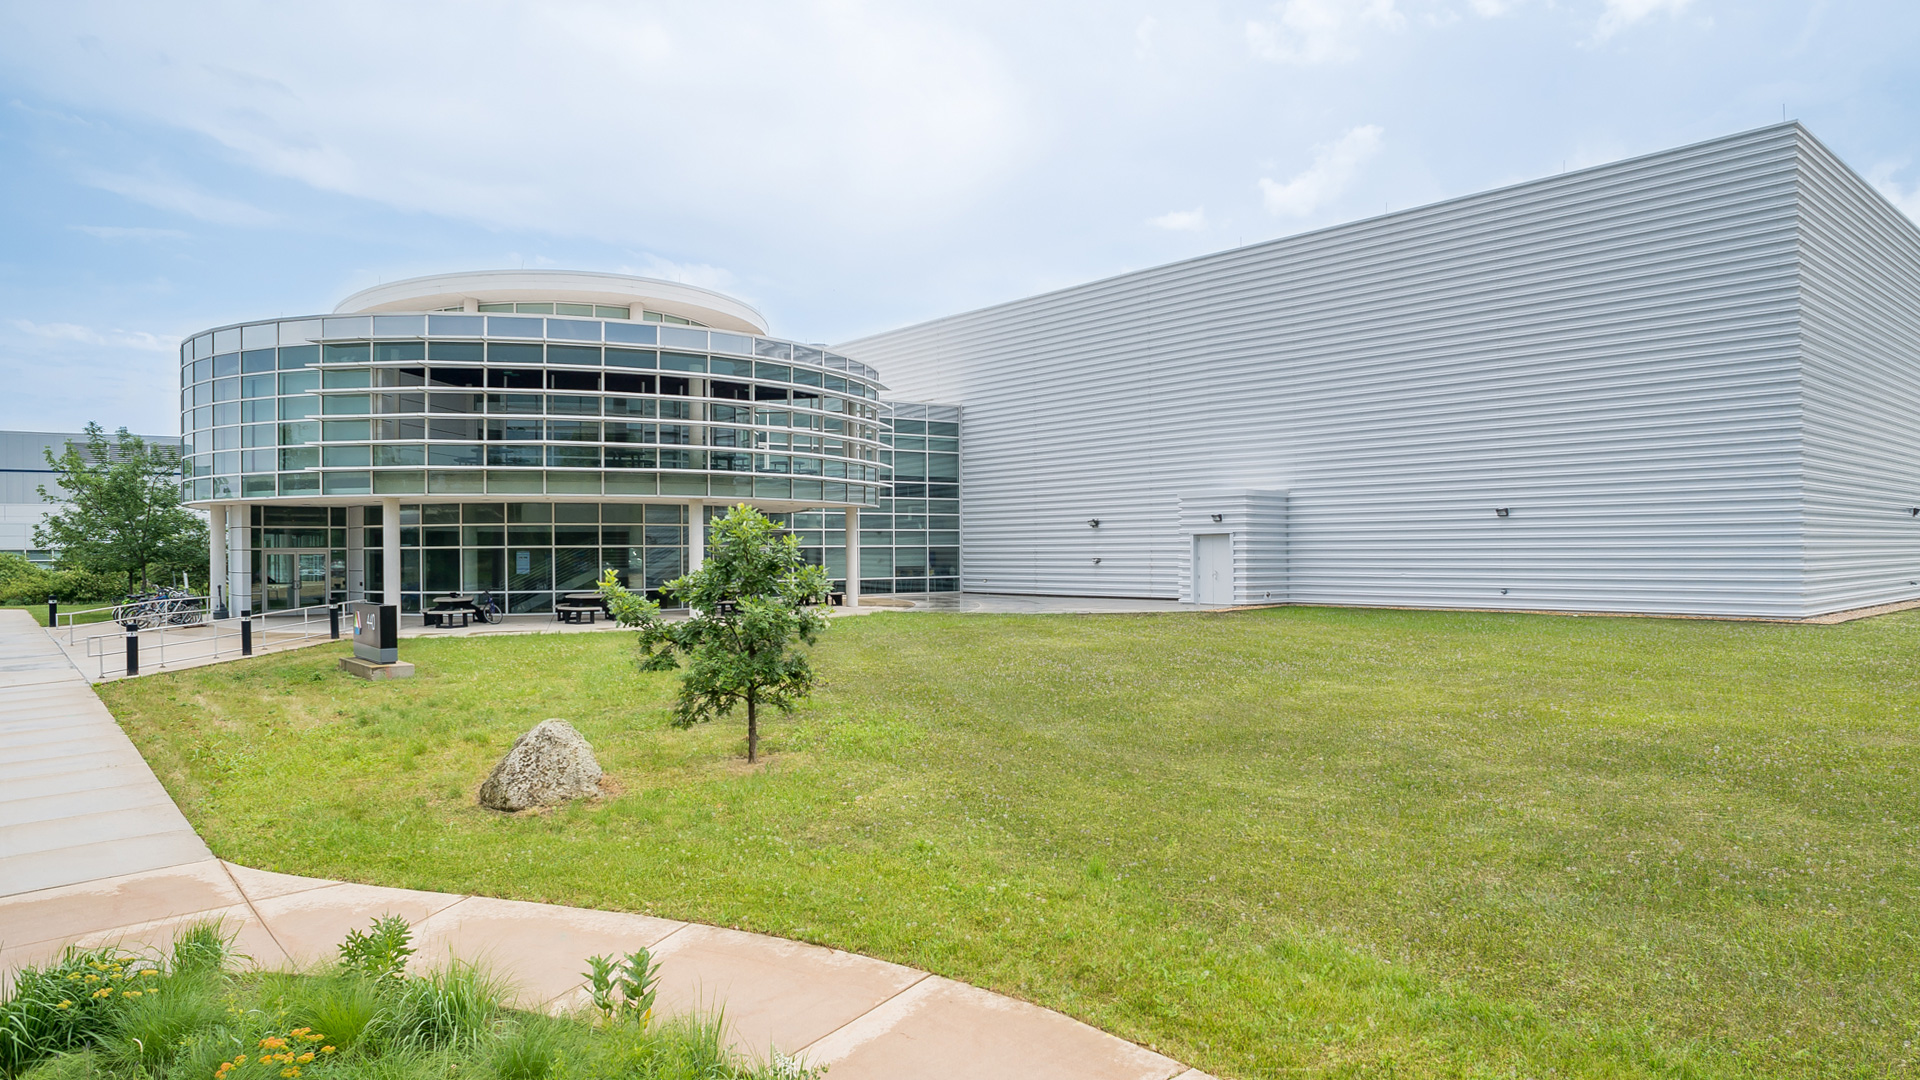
(63, 1004)
(304, 1058)
(326, 1049)
(290, 1072)
(130, 993)
(105, 991)
(92, 978)
(150, 971)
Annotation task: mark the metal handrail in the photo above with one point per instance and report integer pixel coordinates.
(209, 639)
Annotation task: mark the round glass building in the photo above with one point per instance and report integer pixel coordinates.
(513, 431)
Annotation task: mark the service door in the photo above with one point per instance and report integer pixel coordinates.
(1213, 568)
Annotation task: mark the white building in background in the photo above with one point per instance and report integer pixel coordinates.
(23, 471)
(1687, 382)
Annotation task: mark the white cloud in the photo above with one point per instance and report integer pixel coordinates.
(707, 277)
(576, 118)
(1333, 167)
(1621, 14)
(130, 232)
(1319, 31)
(178, 197)
(1194, 220)
(87, 335)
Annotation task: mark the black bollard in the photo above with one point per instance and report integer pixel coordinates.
(333, 620)
(133, 649)
(53, 613)
(246, 632)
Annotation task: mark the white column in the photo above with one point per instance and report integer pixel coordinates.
(696, 535)
(240, 559)
(390, 551)
(853, 557)
(217, 557)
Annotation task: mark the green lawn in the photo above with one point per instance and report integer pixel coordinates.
(1300, 841)
(39, 612)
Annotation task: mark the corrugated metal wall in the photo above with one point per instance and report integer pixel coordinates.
(1613, 355)
(1860, 328)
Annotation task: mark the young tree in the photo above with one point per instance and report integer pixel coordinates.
(752, 601)
(123, 512)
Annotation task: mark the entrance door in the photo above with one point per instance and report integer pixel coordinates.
(313, 578)
(1213, 568)
(280, 581)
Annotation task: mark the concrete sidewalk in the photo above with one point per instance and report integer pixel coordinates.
(92, 851)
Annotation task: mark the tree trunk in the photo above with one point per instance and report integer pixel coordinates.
(753, 728)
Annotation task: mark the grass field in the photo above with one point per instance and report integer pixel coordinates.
(39, 612)
(1294, 842)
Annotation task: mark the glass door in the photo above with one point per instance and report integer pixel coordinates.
(280, 581)
(313, 578)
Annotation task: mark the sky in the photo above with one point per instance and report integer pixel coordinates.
(845, 167)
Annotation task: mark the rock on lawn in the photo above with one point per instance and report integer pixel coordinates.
(550, 764)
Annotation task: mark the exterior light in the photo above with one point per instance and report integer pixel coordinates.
(1217, 517)
(1093, 523)
(1499, 511)
(1915, 512)
(1096, 562)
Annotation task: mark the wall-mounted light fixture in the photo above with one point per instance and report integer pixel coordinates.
(1096, 562)
(1914, 512)
(1093, 523)
(1499, 511)
(1218, 517)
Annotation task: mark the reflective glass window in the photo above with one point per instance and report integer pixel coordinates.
(513, 429)
(511, 327)
(299, 356)
(356, 352)
(455, 429)
(344, 430)
(572, 330)
(632, 358)
(460, 325)
(577, 355)
(399, 352)
(298, 408)
(573, 405)
(345, 405)
(347, 457)
(257, 360)
(397, 454)
(349, 379)
(454, 454)
(516, 403)
(514, 454)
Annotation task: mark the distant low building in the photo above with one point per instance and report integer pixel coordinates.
(23, 471)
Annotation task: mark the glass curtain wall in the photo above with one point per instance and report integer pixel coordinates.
(527, 554)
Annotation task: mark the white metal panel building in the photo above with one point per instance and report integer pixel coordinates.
(1681, 383)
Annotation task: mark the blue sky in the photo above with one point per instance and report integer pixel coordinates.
(846, 167)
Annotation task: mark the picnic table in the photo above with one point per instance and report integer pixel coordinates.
(578, 606)
(445, 609)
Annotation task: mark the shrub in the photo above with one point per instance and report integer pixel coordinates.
(23, 582)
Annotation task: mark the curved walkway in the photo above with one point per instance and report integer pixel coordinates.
(92, 851)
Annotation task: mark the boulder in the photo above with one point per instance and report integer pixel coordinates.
(548, 765)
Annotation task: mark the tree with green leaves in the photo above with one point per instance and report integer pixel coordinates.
(752, 603)
(122, 512)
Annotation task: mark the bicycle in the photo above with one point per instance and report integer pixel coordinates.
(485, 607)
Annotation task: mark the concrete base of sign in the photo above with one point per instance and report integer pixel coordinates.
(353, 665)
